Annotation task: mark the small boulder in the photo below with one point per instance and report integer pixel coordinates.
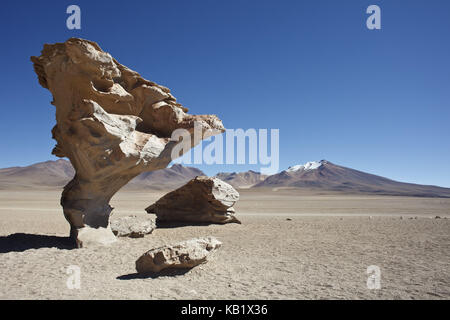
(183, 255)
(201, 200)
(132, 226)
(93, 237)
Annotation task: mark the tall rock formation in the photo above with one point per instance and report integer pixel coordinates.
(112, 124)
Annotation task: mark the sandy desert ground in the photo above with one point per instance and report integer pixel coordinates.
(322, 252)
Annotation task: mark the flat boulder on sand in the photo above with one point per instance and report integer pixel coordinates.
(201, 200)
(132, 226)
(183, 255)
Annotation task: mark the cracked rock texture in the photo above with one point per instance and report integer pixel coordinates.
(112, 124)
(201, 200)
(132, 226)
(183, 255)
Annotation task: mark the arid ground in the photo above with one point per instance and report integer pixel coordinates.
(289, 246)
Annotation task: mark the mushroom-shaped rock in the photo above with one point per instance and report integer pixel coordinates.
(132, 226)
(183, 255)
(112, 124)
(201, 200)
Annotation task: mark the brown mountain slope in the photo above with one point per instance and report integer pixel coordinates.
(165, 179)
(241, 179)
(43, 174)
(327, 176)
(56, 174)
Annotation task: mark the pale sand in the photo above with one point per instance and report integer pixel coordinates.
(322, 253)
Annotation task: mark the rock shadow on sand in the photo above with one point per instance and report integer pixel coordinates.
(18, 242)
(171, 272)
(180, 224)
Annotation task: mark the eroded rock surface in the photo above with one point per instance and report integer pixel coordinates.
(111, 123)
(201, 200)
(183, 255)
(132, 226)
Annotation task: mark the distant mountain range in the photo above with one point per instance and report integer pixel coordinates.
(43, 174)
(315, 176)
(326, 176)
(51, 174)
(164, 179)
(242, 179)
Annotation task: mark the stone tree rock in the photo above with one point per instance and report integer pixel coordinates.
(184, 255)
(201, 200)
(112, 124)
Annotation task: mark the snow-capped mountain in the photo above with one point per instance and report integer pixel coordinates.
(312, 165)
(326, 176)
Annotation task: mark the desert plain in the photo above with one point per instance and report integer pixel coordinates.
(290, 245)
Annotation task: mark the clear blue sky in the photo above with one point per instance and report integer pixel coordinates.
(377, 101)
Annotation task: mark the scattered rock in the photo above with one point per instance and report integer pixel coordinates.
(92, 237)
(112, 124)
(288, 219)
(201, 200)
(437, 217)
(132, 226)
(184, 255)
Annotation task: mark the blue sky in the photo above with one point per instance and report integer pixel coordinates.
(373, 100)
